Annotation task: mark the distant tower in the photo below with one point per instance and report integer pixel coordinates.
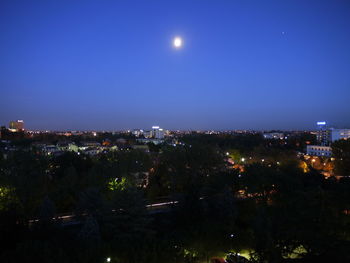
(323, 133)
(17, 125)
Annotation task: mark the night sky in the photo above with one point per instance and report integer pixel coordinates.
(110, 65)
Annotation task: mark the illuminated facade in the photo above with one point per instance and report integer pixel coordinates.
(323, 134)
(319, 150)
(137, 132)
(16, 125)
(340, 134)
(157, 132)
(325, 137)
(273, 135)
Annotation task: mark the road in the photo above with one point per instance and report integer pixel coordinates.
(70, 218)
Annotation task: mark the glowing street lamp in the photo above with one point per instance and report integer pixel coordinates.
(232, 236)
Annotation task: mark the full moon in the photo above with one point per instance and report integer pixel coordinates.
(177, 42)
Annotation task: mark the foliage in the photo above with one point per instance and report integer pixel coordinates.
(202, 206)
(341, 153)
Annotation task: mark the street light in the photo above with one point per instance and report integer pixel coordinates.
(108, 259)
(232, 236)
(176, 252)
(237, 256)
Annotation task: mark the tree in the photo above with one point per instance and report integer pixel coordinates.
(341, 153)
(47, 212)
(128, 227)
(90, 232)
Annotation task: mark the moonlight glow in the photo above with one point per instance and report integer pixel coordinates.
(177, 42)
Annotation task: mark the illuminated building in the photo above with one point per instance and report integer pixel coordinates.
(323, 134)
(147, 134)
(157, 132)
(340, 134)
(273, 135)
(16, 125)
(319, 150)
(137, 132)
(325, 137)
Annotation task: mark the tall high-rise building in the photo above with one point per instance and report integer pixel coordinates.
(16, 125)
(323, 134)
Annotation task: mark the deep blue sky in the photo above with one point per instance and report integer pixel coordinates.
(106, 65)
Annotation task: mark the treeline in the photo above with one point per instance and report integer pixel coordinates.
(248, 142)
(23, 139)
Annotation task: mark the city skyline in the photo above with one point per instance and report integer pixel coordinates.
(113, 66)
(11, 126)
